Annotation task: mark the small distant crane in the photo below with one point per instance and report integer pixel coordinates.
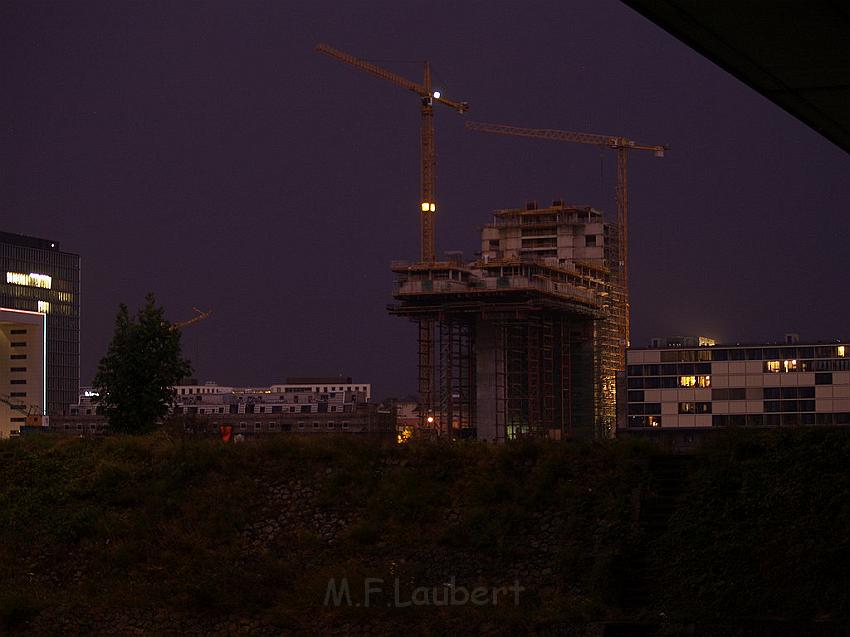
(200, 315)
(616, 142)
(34, 414)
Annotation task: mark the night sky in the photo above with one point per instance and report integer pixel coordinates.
(205, 152)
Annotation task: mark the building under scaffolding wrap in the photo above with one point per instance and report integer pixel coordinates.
(528, 339)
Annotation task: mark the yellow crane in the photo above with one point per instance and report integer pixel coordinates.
(35, 416)
(616, 142)
(200, 315)
(428, 97)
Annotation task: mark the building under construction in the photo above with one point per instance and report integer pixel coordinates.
(528, 339)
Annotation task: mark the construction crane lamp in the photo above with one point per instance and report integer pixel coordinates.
(429, 207)
(437, 95)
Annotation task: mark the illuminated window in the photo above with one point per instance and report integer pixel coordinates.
(687, 381)
(841, 351)
(32, 279)
(790, 366)
(653, 421)
(44, 306)
(772, 366)
(703, 381)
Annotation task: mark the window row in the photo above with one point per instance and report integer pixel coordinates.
(789, 405)
(668, 382)
(756, 420)
(669, 369)
(645, 408)
(777, 420)
(768, 367)
(673, 382)
(644, 421)
(695, 408)
(753, 353)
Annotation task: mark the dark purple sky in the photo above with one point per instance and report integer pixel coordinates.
(204, 151)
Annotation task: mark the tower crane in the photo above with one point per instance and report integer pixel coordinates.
(428, 97)
(623, 146)
(427, 200)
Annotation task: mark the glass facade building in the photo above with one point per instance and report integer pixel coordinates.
(37, 276)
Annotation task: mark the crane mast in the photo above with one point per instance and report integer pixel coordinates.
(428, 187)
(615, 142)
(428, 153)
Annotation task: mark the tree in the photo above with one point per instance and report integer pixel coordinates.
(136, 377)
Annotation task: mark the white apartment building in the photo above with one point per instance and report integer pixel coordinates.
(317, 396)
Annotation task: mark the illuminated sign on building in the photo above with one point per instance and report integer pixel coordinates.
(32, 279)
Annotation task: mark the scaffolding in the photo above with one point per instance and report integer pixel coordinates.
(456, 406)
(539, 368)
(528, 340)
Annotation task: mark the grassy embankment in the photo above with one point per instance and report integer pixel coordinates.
(188, 535)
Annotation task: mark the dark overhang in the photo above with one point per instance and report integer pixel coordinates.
(794, 52)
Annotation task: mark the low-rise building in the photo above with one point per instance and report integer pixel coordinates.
(683, 390)
(297, 406)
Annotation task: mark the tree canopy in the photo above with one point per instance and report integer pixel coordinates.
(143, 363)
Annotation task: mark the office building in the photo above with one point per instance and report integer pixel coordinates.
(38, 277)
(690, 388)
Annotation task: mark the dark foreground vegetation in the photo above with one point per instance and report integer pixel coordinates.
(156, 536)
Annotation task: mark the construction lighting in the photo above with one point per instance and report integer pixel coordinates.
(429, 207)
(430, 420)
(437, 95)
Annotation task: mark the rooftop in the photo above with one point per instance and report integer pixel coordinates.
(28, 242)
